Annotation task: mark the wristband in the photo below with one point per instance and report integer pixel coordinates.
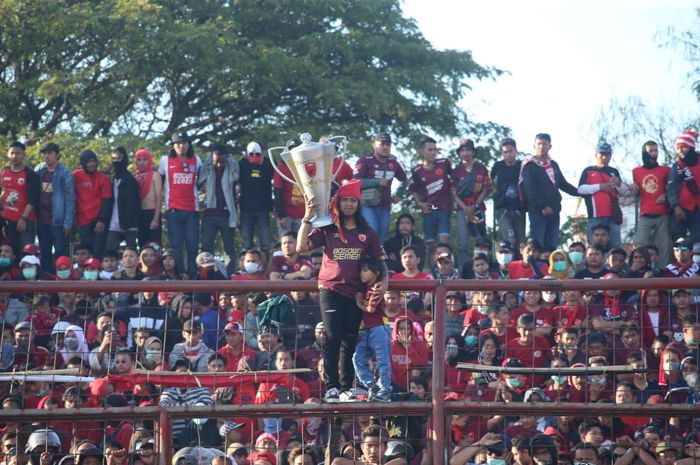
(305, 221)
(24, 218)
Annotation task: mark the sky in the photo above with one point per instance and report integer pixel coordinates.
(566, 60)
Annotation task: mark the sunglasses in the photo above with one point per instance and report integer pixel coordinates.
(680, 247)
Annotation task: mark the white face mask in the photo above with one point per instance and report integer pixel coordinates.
(549, 297)
(251, 267)
(504, 258)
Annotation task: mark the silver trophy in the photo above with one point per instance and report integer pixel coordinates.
(311, 165)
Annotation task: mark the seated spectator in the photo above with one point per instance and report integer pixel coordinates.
(404, 236)
(290, 265)
(407, 351)
(193, 349)
(531, 350)
(572, 313)
(529, 266)
(638, 264)
(253, 267)
(543, 317)
(595, 265)
(683, 265)
(235, 349)
(559, 265)
(185, 430)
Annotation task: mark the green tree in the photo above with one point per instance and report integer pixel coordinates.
(228, 71)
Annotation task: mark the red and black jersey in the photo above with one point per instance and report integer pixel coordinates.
(433, 185)
(19, 189)
(599, 205)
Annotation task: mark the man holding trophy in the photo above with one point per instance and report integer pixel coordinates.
(337, 225)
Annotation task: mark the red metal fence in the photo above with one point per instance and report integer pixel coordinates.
(437, 409)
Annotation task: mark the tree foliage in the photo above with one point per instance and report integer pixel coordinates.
(228, 71)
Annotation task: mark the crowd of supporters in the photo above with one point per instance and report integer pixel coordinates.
(116, 342)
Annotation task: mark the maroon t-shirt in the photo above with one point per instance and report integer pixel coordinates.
(376, 318)
(433, 185)
(340, 269)
(368, 167)
(282, 266)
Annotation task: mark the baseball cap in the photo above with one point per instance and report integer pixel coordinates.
(234, 448)
(205, 260)
(505, 246)
(383, 137)
(23, 325)
(187, 459)
(501, 446)
(683, 241)
(29, 259)
(398, 449)
(235, 327)
(193, 325)
(465, 143)
(604, 147)
(50, 147)
(253, 147)
(228, 427)
(141, 444)
(445, 256)
(93, 262)
(179, 137)
(319, 325)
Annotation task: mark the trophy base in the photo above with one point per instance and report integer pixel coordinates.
(321, 221)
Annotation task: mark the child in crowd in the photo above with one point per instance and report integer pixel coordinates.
(374, 335)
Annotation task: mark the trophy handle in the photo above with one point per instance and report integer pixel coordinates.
(343, 140)
(270, 154)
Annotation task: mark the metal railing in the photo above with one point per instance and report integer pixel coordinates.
(438, 409)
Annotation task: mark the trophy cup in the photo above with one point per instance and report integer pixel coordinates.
(311, 165)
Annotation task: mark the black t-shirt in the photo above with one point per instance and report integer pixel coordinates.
(256, 186)
(587, 274)
(505, 180)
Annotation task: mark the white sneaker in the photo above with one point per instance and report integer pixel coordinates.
(348, 396)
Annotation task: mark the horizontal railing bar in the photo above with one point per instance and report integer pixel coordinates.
(557, 408)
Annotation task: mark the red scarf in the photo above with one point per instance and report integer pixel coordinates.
(335, 215)
(144, 176)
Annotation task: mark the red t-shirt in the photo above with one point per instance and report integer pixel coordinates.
(651, 184)
(543, 317)
(15, 194)
(533, 354)
(292, 196)
(482, 181)
(340, 269)
(518, 270)
(181, 181)
(233, 359)
(433, 185)
(402, 276)
(90, 189)
(282, 266)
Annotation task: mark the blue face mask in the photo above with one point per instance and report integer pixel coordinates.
(90, 275)
(5, 262)
(63, 274)
(558, 379)
(513, 382)
(29, 273)
(576, 257)
(470, 340)
(559, 267)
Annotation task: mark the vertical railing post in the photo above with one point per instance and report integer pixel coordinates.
(439, 442)
(164, 439)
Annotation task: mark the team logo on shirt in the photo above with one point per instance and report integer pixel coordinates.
(537, 353)
(20, 181)
(362, 237)
(650, 184)
(439, 171)
(310, 169)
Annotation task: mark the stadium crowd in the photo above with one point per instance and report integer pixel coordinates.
(353, 340)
